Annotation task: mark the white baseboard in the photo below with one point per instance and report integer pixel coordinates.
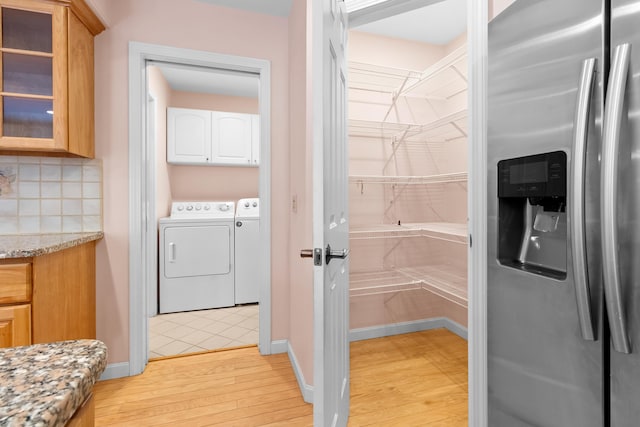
(115, 370)
(456, 328)
(279, 346)
(305, 389)
(407, 327)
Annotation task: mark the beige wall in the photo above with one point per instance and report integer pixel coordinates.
(192, 25)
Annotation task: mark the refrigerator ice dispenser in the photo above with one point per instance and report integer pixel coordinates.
(532, 220)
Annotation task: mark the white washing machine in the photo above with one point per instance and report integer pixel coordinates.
(196, 259)
(247, 251)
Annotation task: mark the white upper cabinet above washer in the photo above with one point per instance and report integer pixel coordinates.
(232, 134)
(188, 136)
(202, 137)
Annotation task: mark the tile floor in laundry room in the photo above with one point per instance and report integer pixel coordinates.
(194, 331)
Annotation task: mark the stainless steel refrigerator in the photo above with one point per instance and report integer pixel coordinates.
(563, 293)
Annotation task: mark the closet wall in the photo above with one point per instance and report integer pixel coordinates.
(408, 192)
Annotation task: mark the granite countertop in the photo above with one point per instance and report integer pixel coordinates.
(44, 384)
(31, 245)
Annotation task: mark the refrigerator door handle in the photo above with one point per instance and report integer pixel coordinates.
(578, 244)
(608, 193)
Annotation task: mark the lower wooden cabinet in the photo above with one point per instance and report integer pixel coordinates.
(15, 325)
(85, 415)
(48, 298)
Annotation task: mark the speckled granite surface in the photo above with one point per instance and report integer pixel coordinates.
(44, 384)
(30, 245)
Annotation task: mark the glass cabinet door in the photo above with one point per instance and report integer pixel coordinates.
(27, 73)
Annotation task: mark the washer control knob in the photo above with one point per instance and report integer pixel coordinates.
(198, 206)
(207, 206)
(180, 208)
(246, 204)
(189, 207)
(255, 204)
(224, 207)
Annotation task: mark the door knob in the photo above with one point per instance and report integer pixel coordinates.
(331, 254)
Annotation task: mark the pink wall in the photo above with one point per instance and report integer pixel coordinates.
(208, 101)
(390, 52)
(301, 270)
(191, 25)
(210, 182)
(160, 90)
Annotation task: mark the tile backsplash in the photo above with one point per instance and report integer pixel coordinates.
(50, 195)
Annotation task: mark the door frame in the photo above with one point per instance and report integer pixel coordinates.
(142, 228)
(477, 21)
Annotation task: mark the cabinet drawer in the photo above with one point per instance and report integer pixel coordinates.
(15, 283)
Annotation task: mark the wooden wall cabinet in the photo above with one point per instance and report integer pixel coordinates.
(215, 138)
(48, 298)
(47, 77)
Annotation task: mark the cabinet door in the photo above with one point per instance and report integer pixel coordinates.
(15, 325)
(255, 140)
(46, 77)
(188, 136)
(231, 138)
(34, 75)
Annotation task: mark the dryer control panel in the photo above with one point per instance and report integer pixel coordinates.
(202, 209)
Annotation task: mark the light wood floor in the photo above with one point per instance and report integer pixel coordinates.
(417, 379)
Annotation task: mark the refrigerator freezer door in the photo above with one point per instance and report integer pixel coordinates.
(625, 368)
(541, 372)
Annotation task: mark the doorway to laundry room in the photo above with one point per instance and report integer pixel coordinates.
(204, 124)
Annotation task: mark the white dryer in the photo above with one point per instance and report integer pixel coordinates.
(247, 251)
(196, 259)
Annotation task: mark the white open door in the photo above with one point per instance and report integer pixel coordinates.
(330, 215)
